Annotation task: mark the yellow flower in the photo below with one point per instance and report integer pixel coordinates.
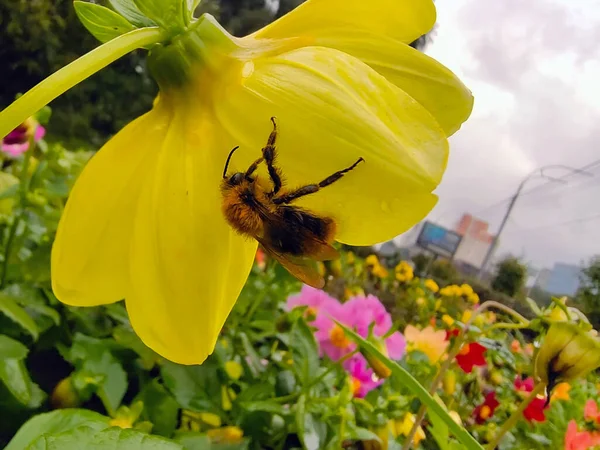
(125, 417)
(447, 319)
(227, 396)
(403, 427)
(466, 289)
(451, 290)
(144, 222)
(466, 316)
(404, 272)
(561, 392)
(429, 341)
(431, 285)
(473, 298)
(228, 435)
(380, 271)
(350, 258)
(372, 260)
(210, 419)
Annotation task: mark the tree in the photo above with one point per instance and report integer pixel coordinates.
(588, 294)
(510, 276)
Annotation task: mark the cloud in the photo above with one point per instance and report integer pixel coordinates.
(534, 68)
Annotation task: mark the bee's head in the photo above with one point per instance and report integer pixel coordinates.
(237, 178)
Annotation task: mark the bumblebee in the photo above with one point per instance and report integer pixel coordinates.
(294, 236)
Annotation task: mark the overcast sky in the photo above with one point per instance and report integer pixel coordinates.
(534, 69)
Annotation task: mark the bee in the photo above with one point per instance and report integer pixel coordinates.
(294, 236)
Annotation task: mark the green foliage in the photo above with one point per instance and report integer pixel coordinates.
(40, 37)
(510, 276)
(443, 270)
(588, 294)
(103, 23)
(421, 262)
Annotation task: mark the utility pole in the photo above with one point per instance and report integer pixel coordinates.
(536, 173)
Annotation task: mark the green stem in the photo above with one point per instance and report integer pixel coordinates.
(74, 73)
(452, 354)
(407, 380)
(23, 190)
(513, 419)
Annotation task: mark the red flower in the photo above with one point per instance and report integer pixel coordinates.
(452, 333)
(535, 409)
(471, 355)
(486, 410)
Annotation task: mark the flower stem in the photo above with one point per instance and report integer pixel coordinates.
(23, 190)
(74, 73)
(512, 420)
(452, 354)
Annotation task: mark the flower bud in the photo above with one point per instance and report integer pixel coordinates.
(567, 352)
(378, 366)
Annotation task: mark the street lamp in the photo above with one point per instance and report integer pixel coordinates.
(536, 173)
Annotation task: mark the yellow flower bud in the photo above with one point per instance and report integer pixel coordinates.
(64, 395)
(449, 382)
(380, 369)
(234, 369)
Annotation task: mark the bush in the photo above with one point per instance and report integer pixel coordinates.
(510, 276)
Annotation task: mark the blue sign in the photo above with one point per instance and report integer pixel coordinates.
(438, 239)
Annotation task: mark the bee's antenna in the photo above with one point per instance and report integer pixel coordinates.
(227, 162)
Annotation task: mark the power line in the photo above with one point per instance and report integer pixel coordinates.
(560, 224)
(537, 188)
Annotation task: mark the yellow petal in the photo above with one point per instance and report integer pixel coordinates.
(423, 78)
(405, 20)
(187, 265)
(333, 109)
(90, 253)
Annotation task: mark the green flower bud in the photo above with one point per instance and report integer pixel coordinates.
(567, 352)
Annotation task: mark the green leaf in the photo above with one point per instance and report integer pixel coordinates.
(94, 361)
(56, 422)
(12, 310)
(167, 14)
(160, 408)
(305, 353)
(194, 387)
(285, 383)
(11, 349)
(103, 23)
(439, 430)
(253, 359)
(47, 311)
(131, 12)
(14, 374)
(312, 432)
(107, 439)
(127, 338)
(264, 405)
(419, 391)
(193, 440)
(534, 306)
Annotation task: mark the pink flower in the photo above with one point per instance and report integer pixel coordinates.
(365, 311)
(580, 440)
(17, 141)
(590, 411)
(311, 297)
(362, 377)
(332, 339)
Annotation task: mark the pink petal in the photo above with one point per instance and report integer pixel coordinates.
(15, 149)
(40, 132)
(396, 345)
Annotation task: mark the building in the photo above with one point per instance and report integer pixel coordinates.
(476, 241)
(563, 279)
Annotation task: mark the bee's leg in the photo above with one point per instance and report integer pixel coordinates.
(312, 188)
(269, 156)
(252, 168)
